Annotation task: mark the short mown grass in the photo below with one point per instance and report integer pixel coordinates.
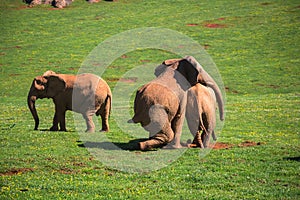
(255, 45)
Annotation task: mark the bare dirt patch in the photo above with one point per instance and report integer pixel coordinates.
(206, 46)
(268, 85)
(14, 171)
(221, 145)
(124, 80)
(212, 25)
(192, 24)
(124, 56)
(227, 89)
(65, 170)
(248, 143)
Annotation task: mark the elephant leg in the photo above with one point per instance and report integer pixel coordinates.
(177, 124)
(104, 113)
(105, 125)
(214, 135)
(160, 139)
(89, 122)
(59, 118)
(197, 142)
(62, 121)
(207, 129)
(55, 123)
(205, 136)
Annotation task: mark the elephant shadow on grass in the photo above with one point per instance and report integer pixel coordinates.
(297, 158)
(132, 145)
(48, 130)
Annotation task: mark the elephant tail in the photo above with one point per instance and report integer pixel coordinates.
(108, 98)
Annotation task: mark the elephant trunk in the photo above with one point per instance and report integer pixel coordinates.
(207, 80)
(31, 104)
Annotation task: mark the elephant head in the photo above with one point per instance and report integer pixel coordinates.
(46, 86)
(194, 73)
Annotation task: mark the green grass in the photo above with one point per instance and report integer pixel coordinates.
(257, 54)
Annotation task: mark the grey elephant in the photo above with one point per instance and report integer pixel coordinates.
(87, 94)
(160, 105)
(201, 114)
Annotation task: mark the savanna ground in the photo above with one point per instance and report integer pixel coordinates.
(255, 45)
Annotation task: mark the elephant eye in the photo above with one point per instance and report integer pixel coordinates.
(39, 82)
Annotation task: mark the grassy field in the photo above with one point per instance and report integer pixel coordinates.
(255, 45)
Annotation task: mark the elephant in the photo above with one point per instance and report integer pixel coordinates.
(87, 94)
(160, 105)
(201, 114)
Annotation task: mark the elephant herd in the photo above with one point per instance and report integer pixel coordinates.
(182, 89)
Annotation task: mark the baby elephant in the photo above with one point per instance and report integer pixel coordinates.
(85, 93)
(201, 114)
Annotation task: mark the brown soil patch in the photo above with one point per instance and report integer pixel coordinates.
(227, 89)
(67, 171)
(249, 144)
(268, 86)
(124, 80)
(192, 24)
(206, 46)
(14, 171)
(112, 79)
(209, 25)
(221, 145)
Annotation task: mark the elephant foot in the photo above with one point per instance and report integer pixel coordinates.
(104, 129)
(197, 142)
(144, 146)
(150, 144)
(54, 128)
(90, 130)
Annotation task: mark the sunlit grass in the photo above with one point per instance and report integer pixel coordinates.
(256, 50)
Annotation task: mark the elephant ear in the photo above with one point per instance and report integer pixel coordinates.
(189, 71)
(172, 63)
(40, 83)
(49, 73)
(55, 85)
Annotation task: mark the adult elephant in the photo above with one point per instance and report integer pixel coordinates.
(160, 105)
(85, 93)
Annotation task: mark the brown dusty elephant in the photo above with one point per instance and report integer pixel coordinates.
(160, 105)
(201, 114)
(85, 93)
